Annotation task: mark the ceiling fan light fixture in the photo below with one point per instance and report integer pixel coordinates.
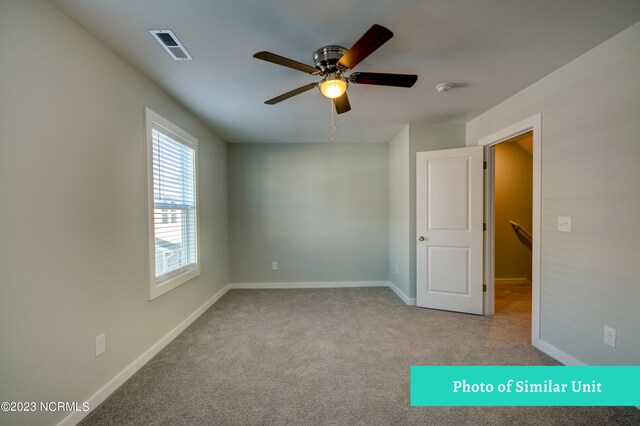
(333, 86)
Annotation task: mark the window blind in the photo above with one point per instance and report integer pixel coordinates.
(174, 204)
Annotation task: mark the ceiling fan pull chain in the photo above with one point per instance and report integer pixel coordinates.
(333, 122)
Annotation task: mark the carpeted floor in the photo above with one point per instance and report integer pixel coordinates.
(331, 357)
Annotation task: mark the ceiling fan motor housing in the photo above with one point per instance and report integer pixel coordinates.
(326, 58)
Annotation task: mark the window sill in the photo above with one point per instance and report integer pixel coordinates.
(158, 288)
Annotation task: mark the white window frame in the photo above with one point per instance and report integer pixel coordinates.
(159, 287)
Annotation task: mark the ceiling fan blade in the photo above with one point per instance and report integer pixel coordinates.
(342, 104)
(291, 93)
(375, 37)
(285, 62)
(383, 79)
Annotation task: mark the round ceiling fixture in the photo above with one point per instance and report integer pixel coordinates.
(326, 60)
(333, 85)
(444, 87)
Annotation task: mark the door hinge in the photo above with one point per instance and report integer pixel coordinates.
(484, 288)
(484, 165)
(484, 226)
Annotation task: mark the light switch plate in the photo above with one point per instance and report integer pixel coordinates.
(564, 223)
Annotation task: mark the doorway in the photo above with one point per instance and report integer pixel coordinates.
(513, 215)
(532, 125)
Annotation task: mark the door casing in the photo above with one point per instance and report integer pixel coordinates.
(534, 124)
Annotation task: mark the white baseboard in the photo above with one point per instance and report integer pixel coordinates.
(559, 355)
(512, 281)
(327, 284)
(102, 394)
(406, 299)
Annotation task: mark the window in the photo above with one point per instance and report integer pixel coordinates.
(172, 156)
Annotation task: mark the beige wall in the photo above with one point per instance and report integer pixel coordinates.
(590, 171)
(399, 214)
(73, 249)
(319, 210)
(513, 202)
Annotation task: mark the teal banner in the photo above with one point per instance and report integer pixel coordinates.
(525, 386)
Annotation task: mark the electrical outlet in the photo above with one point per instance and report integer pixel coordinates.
(101, 344)
(564, 223)
(274, 265)
(397, 270)
(610, 336)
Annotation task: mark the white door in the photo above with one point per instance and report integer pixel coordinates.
(449, 204)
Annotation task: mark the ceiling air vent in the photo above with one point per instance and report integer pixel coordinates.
(171, 44)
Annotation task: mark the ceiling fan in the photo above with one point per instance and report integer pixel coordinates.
(332, 62)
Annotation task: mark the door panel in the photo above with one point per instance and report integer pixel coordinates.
(448, 209)
(448, 270)
(449, 247)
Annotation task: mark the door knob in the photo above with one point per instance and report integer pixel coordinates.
(421, 238)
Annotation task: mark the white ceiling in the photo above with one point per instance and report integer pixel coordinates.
(489, 49)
